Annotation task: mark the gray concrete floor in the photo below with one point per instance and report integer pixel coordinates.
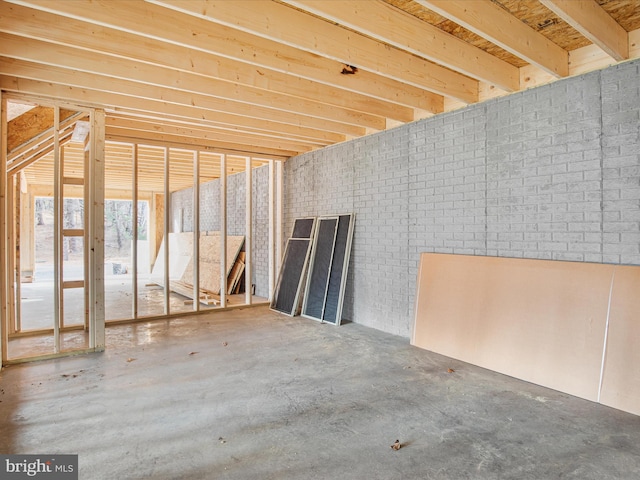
(251, 394)
(37, 312)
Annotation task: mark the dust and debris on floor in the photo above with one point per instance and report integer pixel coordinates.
(297, 399)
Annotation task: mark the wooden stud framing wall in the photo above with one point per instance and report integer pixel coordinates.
(96, 233)
(279, 212)
(134, 245)
(196, 229)
(93, 168)
(18, 255)
(17, 213)
(3, 223)
(223, 230)
(191, 277)
(11, 247)
(58, 167)
(272, 233)
(248, 242)
(165, 232)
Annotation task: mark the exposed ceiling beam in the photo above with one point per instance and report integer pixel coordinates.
(172, 135)
(83, 60)
(213, 148)
(150, 168)
(90, 97)
(280, 77)
(592, 21)
(388, 24)
(490, 21)
(134, 90)
(285, 132)
(205, 133)
(192, 45)
(279, 23)
(114, 72)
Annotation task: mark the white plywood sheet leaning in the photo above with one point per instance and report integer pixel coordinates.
(542, 321)
(181, 262)
(180, 253)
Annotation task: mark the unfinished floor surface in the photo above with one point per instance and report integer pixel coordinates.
(251, 394)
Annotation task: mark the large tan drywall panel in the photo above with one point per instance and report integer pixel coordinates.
(621, 378)
(540, 321)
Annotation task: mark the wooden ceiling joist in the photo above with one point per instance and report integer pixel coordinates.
(188, 139)
(490, 21)
(64, 76)
(159, 107)
(25, 85)
(284, 132)
(119, 166)
(231, 148)
(593, 22)
(275, 78)
(329, 102)
(279, 23)
(244, 57)
(195, 132)
(387, 24)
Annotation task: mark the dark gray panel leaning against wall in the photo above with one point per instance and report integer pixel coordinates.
(303, 227)
(330, 291)
(339, 269)
(320, 267)
(286, 295)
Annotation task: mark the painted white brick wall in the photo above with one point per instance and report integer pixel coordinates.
(543, 181)
(621, 163)
(551, 172)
